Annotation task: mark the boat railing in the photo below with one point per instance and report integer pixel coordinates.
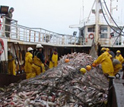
(117, 40)
(37, 35)
(43, 36)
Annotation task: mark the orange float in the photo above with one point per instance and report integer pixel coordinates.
(93, 64)
(88, 67)
(67, 60)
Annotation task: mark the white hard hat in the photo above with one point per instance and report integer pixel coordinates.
(30, 49)
(39, 46)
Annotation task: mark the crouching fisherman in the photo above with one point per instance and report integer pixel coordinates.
(28, 64)
(38, 65)
(11, 63)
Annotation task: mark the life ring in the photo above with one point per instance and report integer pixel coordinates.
(1, 46)
(91, 36)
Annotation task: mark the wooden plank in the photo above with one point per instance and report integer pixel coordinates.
(6, 79)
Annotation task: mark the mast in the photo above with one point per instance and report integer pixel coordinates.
(112, 8)
(97, 21)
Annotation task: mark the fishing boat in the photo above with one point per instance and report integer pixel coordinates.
(100, 29)
(21, 37)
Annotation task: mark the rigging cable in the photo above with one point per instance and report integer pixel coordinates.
(107, 21)
(117, 38)
(111, 15)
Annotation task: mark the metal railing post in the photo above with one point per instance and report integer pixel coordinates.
(34, 36)
(26, 35)
(49, 37)
(29, 35)
(39, 36)
(17, 31)
(43, 37)
(3, 26)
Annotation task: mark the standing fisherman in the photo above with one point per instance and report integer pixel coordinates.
(53, 59)
(28, 64)
(11, 63)
(119, 56)
(38, 65)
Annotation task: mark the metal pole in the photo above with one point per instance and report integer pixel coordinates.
(97, 22)
(110, 94)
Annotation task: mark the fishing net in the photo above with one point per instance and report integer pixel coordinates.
(63, 86)
(93, 51)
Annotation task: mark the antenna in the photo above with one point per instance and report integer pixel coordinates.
(83, 9)
(80, 16)
(112, 8)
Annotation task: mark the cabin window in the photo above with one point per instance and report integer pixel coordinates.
(91, 29)
(103, 35)
(103, 29)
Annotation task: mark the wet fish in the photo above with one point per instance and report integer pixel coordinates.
(63, 86)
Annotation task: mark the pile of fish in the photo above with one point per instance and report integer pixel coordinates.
(63, 86)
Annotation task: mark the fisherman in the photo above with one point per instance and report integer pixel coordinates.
(119, 56)
(53, 59)
(11, 63)
(38, 65)
(116, 64)
(8, 20)
(28, 63)
(105, 61)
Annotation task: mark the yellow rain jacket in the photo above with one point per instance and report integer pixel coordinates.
(38, 66)
(120, 58)
(54, 61)
(28, 66)
(117, 68)
(105, 61)
(11, 65)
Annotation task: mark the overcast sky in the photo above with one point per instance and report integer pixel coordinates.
(53, 15)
